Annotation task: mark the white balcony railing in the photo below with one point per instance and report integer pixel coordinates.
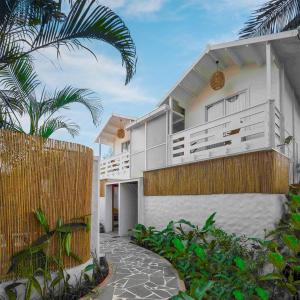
(115, 167)
(258, 127)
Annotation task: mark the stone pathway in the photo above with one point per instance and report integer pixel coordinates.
(137, 273)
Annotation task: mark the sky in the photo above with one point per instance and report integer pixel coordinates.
(169, 36)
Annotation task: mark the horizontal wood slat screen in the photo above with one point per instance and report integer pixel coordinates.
(102, 187)
(53, 175)
(256, 172)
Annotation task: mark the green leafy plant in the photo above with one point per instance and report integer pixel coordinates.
(284, 250)
(213, 264)
(36, 260)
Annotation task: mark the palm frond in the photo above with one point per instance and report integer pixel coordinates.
(54, 124)
(86, 20)
(20, 79)
(64, 98)
(274, 16)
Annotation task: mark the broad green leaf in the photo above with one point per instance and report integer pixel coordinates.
(291, 288)
(40, 216)
(36, 285)
(200, 292)
(271, 276)
(292, 242)
(65, 228)
(200, 252)
(178, 244)
(182, 296)
(238, 295)
(263, 294)
(68, 243)
(43, 239)
(89, 268)
(209, 222)
(56, 280)
(295, 220)
(28, 289)
(296, 201)
(240, 263)
(276, 260)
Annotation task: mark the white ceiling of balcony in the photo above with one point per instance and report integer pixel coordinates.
(286, 46)
(108, 134)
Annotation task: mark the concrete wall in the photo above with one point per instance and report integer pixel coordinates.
(247, 214)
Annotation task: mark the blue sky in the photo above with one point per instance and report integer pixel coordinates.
(169, 35)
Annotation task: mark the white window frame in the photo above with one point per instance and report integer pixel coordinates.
(246, 91)
(128, 147)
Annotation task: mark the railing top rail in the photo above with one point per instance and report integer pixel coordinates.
(220, 119)
(120, 155)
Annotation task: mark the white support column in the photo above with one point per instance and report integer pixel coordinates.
(146, 146)
(269, 70)
(271, 123)
(281, 108)
(167, 138)
(171, 116)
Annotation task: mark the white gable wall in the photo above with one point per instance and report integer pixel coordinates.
(251, 78)
(117, 146)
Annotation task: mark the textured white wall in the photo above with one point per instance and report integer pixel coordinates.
(102, 209)
(246, 214)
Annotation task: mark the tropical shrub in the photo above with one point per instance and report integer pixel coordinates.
(35, 264)
(284, 250)
(213, 264)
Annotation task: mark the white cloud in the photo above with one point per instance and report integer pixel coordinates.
(221, 5)
(135, 7)
(106, 77)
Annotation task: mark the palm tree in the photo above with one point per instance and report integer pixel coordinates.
(274, 16)
(21, 82)
(27, 26)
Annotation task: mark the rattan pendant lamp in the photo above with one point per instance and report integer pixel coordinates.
(217, 80)
(121, 131)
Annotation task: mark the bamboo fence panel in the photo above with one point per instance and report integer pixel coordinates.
(102, 183)
(256, 172)
(36, 173)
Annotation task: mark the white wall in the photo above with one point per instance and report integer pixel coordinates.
(246, 214)
(128, 203)
(137, 151)
(102, 209)
(251, 78)
(148, 146)
(117, 146)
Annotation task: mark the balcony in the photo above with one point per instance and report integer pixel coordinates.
(256, 128)
(116, 167)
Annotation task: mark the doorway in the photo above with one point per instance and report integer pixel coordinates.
(122, 204)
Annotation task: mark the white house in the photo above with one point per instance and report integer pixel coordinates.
(202, 150)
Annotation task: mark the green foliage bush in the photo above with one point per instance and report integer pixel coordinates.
(35, 264)
(218, 265)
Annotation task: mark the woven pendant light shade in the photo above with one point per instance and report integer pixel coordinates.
(121, 133)
(217, 80)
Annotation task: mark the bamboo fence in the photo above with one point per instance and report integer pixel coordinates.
(256, 172)
(36, 173)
